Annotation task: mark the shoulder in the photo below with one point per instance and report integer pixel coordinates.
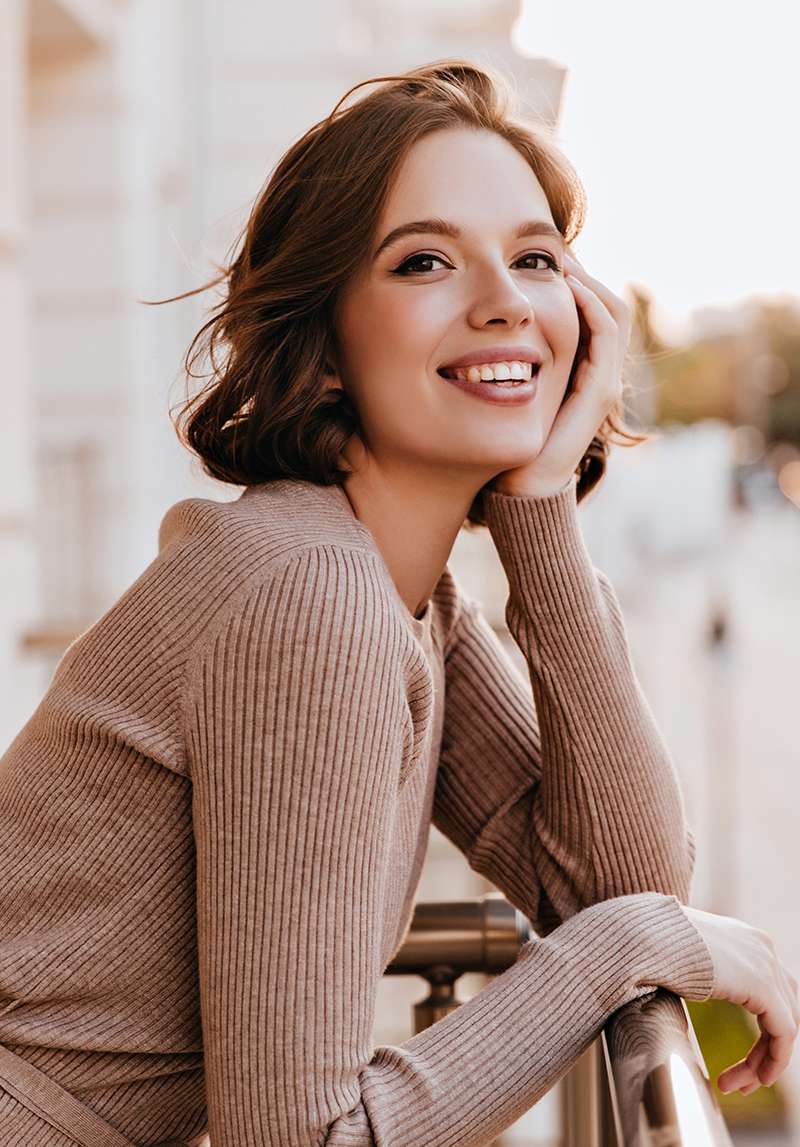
(268, 517)
(316, 633)
(321, 601)
(297, 534)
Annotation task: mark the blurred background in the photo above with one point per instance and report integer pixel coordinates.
(135, 135)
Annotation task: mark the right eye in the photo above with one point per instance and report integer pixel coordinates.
(427, 256)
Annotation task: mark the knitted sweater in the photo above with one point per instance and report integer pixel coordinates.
(213, 827)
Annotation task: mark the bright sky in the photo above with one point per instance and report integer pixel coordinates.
(683, 121)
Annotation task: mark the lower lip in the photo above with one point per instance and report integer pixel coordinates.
(500, 395)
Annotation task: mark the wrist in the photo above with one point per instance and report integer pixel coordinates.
(531, 489)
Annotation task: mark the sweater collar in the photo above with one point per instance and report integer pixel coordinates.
(333, 504)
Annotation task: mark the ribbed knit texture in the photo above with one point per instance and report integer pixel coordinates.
(214, 823)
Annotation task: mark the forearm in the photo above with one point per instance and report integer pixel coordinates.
(607, 776)
(469, 1076)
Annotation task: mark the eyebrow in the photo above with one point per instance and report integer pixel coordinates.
(439, 226)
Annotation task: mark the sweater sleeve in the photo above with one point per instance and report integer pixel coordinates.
(297, 744)
(562, 794)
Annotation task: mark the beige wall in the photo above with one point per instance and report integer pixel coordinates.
(19, 564)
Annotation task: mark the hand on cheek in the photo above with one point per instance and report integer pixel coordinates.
(605, 321)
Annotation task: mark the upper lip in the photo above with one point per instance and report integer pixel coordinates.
(494, 354)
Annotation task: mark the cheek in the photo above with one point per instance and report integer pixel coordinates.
(574, 324)
(410, 325)
(561, 322)
(390, 333)
(553, 398)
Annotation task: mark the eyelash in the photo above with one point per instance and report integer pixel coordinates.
(429, 255)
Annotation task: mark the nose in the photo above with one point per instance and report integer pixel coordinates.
(501, 302)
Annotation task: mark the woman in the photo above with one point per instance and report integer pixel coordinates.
(216, 818)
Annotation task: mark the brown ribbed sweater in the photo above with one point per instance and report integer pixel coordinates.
(213, 827)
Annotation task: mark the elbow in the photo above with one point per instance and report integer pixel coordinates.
(690, 858)
(667, 867)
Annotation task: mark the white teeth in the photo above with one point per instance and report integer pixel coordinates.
(495, 372)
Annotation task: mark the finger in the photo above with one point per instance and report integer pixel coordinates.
(782, 1044)
(755, 1059)
(771, 1004)
(618, 309)
(599, 319)
(771, 1065)
(592, 303)
(778, 1024)
(744, 1072)
(604, 351)
(751, 1087)
(575, 423)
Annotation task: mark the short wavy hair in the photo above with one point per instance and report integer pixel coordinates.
(265, 412)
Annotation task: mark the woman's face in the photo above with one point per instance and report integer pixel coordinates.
(400, 317)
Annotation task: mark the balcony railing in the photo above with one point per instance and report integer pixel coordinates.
(642, 1083)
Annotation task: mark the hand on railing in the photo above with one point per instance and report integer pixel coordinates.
(747, 971)
(643, 1081)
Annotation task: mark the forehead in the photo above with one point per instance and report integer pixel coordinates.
(474, 176)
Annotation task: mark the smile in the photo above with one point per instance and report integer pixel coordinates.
(508, 373)
(501, 392)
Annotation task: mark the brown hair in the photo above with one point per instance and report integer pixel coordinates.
(265, 414)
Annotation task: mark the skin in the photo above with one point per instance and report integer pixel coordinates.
(428, 447)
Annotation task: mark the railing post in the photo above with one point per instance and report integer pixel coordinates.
(589, 1116)
(440, 1001)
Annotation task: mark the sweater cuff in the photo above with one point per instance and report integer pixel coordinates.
(678, 941)
(641, 941)
(542, 549)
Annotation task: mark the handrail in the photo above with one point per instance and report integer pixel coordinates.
(446, 939)
(642, 1083)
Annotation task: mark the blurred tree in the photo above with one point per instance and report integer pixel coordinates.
(698, 381)
(781, 325)
(754, 366)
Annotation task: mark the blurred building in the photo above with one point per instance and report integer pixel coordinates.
(136, 135)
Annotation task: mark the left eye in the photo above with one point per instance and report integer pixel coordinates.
(541, 255)
(406, 268)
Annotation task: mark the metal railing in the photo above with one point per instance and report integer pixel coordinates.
(642, 1083)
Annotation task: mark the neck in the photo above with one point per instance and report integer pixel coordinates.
(414, 517)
